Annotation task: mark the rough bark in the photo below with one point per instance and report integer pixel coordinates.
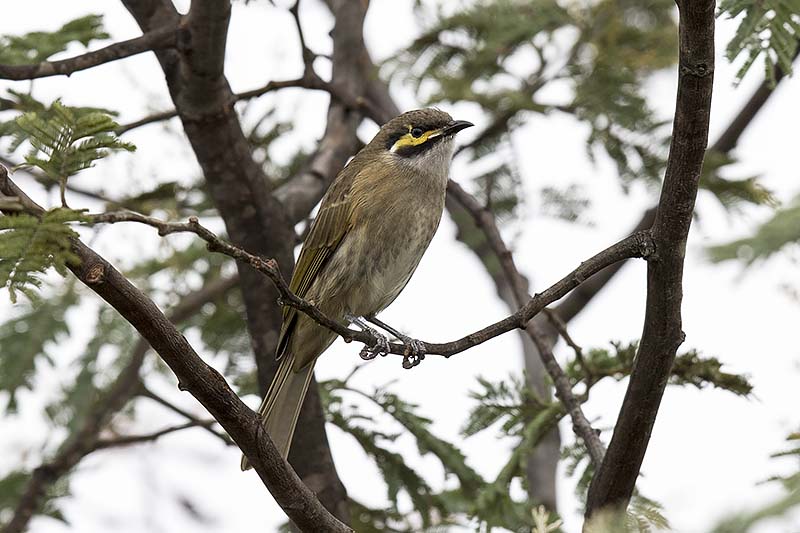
(253, 217)
(615, 480)
(196, 377)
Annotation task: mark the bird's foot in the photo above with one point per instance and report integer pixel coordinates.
(381, 346)
(414, 351)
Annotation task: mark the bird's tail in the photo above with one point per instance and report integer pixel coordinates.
(281, 405)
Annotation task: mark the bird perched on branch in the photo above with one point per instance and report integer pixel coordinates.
(373, 226)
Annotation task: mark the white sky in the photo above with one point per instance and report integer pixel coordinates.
(709, 449)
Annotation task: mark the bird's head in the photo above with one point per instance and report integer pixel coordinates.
(422, 138)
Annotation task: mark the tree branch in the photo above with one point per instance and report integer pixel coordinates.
(127, 440)
(485, 220)
(237, 185)
(725, 143)
(147, 393)
(80, 444)
(636, 245)
(200, 379)
(116, 396)
(310, 81)
(156, 39)
(616, 478)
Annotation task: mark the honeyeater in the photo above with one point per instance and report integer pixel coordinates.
(373, 226)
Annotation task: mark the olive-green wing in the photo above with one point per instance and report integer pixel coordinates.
(333, 222)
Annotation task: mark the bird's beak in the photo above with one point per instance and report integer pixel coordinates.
(451, 129)
(455, 126)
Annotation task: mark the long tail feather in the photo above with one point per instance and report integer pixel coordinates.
(281, 405)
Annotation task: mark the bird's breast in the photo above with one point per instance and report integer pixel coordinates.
(389, 241)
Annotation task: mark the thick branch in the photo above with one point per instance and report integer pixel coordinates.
(200, 379)
(236, 184)
(156, 39)
(614, 482)
(115, 397)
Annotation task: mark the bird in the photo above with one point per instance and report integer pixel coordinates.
(373, 225)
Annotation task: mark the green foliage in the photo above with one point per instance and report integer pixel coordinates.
(397, 475)
(511, 402)
(26, 103)
(777, 233)
(732, 194)
(494, 504)
(13, 485)
(474, 499)
(69, 141)
(567, 204)
(517, 413)
(25, 337)
(30, 245)
(689, 368)
(449, 455)
(38, 46)
(112, 333)
(642, 516)
(500, 54)
(743, 522)
(768, 29)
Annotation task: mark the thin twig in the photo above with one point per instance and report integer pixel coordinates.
(637, 245)
(147, 393)
(154, 40)
(309, 80)
(127, 440)
(485, 220)
(561, 327)
(308, 55)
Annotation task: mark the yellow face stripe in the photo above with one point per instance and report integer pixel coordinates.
(410, 140)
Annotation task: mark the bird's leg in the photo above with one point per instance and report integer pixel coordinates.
(381, 346)
(415, 349)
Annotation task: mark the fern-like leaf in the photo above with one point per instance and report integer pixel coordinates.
(769, 28)
(38, 46)
(68, 142)
(30, 245)
(24, 340)
(777, 233)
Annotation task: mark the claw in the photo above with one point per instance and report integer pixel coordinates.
(414, 352)
(381, 346)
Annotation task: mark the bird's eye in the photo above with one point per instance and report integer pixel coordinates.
(417, 133)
